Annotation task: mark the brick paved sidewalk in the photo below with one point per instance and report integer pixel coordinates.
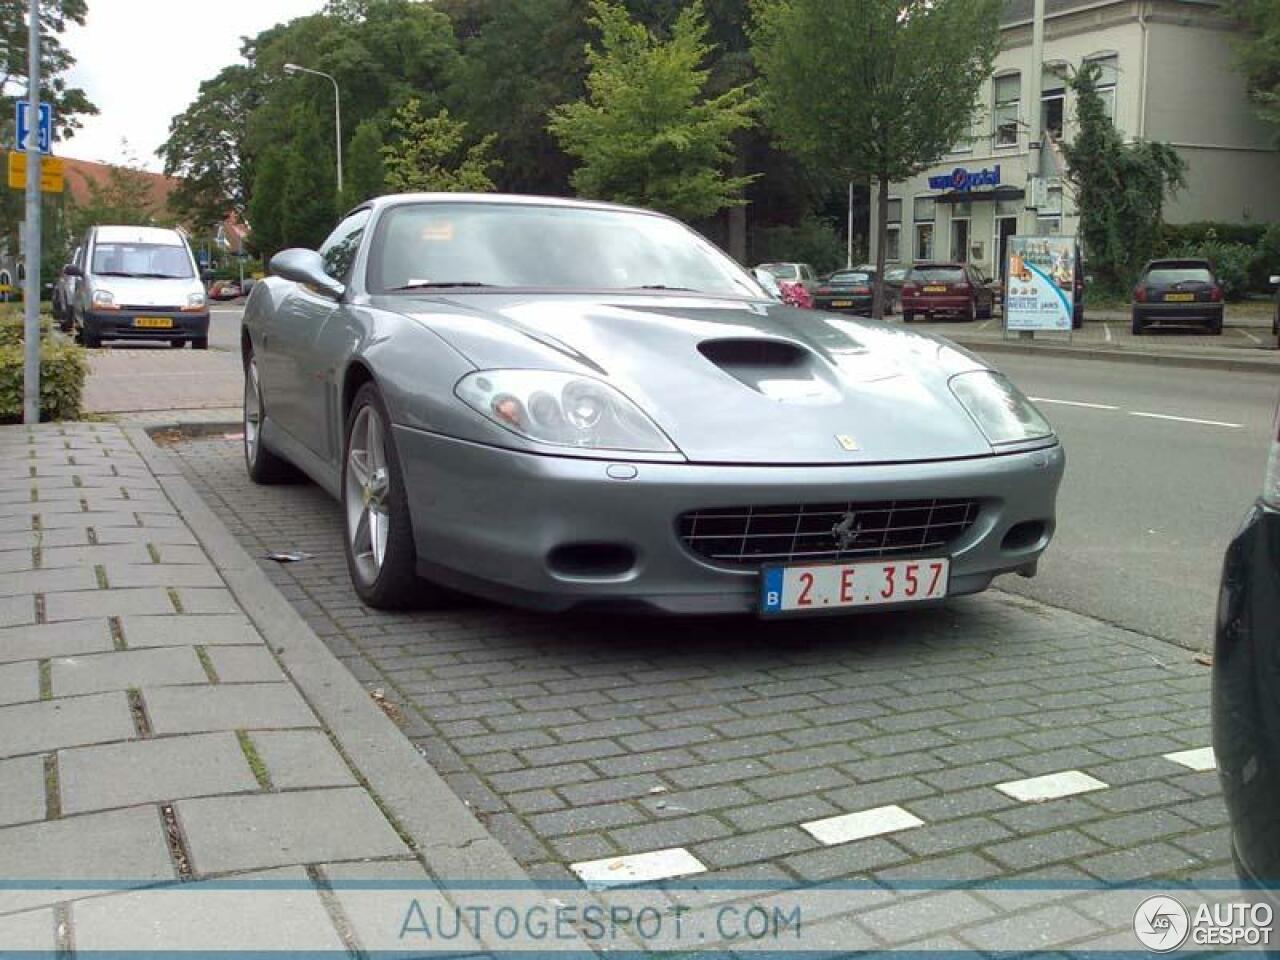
(149, 733)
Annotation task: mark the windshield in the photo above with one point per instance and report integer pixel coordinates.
(516, 245)
(850, 276)
(783, 271)
(937, 275)
(141, 260)
(1179, 275)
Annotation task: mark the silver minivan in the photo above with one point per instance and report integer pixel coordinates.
(138, 283)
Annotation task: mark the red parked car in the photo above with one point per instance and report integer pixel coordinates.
(794, 294)
(951, 289)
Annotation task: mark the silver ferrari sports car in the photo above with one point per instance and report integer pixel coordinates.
(572, 405)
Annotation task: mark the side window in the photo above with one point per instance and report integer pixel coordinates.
(339, 250)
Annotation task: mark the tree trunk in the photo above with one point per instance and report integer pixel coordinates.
(882, 236)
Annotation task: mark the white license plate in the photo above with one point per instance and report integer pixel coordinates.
(832, 586)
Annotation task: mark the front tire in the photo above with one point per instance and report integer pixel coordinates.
(262, 465)
(381, 556)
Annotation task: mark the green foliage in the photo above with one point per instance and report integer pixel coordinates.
(63, 369)
(366, 174)
(1120, 187)
(647, 133)
(813, 240)
(309, 200)
(428, 153)
(1258, 45)
(266, 212)
(1230, 261)
(206, 148)
(873, 90)
(1175, 235)
(520, 58)
(1247, 254)
(69, 103)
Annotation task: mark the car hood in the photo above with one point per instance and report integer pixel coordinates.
(148, 291)
(733, 381)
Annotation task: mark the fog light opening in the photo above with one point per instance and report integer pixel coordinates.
(1023, 536)
(592, 559)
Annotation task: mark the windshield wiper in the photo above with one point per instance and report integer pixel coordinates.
(437, 283)
(113, 273)
(661, 286)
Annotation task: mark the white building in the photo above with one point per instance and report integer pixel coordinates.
(1168, 73)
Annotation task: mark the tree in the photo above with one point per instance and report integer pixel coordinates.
(520, 59)
(427, 153)
(647, 133)
(69, 103)
(1259, 52)
(874, 90)
(1119, 187)
(266, 214)
(308, 200)
(365, 174)
(206, 148)
(125, 195)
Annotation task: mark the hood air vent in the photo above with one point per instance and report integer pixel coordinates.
(779, 370)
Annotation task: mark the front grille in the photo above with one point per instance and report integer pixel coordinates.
(819, 532)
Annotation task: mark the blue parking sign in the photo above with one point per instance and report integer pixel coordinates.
(44, 134)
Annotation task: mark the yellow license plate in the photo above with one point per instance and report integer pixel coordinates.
(842, 303)
(154, 323)
(1179, 297)
(935, 289)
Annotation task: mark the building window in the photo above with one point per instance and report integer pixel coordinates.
(893, 231)
(1108, 75)
(924, 212)
(959, 240)
(1048, 226)
(1008, 94)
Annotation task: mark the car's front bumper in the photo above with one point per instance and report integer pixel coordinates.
(1246, 694)
(486, 520)
(122, 324)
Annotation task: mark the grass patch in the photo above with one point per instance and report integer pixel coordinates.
(254, 759)
(46, 679)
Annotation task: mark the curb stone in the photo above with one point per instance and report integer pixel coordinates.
(451, 843)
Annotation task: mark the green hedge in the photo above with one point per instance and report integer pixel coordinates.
(1175, 236)
(62, 373)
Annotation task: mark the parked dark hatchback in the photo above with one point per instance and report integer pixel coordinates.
(952, 289)
(849, 291)
(1178, 291)
(1246, 683)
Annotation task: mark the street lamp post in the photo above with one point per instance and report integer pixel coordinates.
(337, 109)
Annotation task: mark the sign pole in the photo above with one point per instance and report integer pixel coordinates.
(31, 297)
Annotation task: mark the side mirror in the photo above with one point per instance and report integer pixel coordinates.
(306, 267)
(71, 270)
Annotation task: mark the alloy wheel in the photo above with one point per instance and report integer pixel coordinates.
(367, 494)
(252, 411)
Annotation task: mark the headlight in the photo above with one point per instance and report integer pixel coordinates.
(104, 299)
(1000, 409)
(195, 301)
(561, 409)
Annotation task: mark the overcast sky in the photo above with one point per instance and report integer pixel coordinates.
(141, 62)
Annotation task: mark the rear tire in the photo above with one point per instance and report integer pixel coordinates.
(1137, 326)
(1215, 326)
(177, 344)
(971, 312)
(200, 343)
(378, 541)
(908, 316)
(262, 465)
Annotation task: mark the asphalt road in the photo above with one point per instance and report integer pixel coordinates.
(1148, 504)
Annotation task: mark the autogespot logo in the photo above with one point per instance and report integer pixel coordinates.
(1161, 924)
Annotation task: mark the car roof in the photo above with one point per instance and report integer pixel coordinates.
(163, 236)
(519, 199)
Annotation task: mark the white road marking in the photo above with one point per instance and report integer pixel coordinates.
(1076, 403)
(638, 868)
(1249, 335)
(1203, 423)
(1200, 760)
(1051, 786)
(1106, 329)
(864, 823)
(984, 324)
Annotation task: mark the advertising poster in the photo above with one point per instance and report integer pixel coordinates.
(1040, 283)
